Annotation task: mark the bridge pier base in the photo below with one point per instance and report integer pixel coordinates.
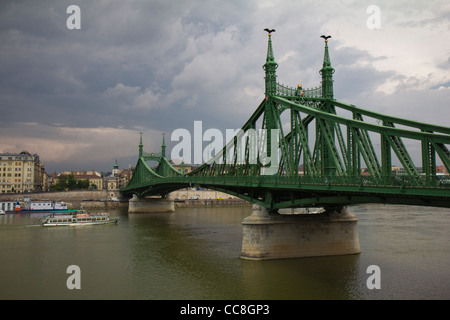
(144, 205)
(301, 235)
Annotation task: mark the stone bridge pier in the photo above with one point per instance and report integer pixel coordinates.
(298, 235)
(144, 205)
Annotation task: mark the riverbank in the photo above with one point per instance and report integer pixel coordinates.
(211, 203)
(74, 199)
(102, 199)
(192, 197)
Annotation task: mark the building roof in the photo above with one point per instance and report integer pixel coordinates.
(22, 155)
(84, 176)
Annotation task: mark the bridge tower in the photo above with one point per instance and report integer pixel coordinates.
(269, 235)
(141, 146)
(270, 67)
(327, 73)
(143, 204)
(328, 166)
(270, 121)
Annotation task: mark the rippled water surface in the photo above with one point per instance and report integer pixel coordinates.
(193, 253)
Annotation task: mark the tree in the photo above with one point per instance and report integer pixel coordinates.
(83, 184)
(71, 182)
(57, 187)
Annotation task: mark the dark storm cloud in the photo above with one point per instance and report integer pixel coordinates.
(123, 54)
(155, 66)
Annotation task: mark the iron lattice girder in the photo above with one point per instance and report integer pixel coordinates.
(391, 134)
(311, 189)
(418, 135)
(332, 170)
(386, 118)
(303, 191)
(438, 137)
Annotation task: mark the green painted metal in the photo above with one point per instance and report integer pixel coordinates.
(330, 140)
(270, 67)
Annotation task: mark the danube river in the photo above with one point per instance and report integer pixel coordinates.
(193, 253)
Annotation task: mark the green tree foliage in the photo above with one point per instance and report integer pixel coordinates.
(68, 182)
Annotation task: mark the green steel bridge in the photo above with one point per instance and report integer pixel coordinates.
(330, 140)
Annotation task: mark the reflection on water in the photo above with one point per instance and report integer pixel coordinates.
(310, 278)
(193, 253)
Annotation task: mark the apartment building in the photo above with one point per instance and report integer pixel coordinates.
(21, 172)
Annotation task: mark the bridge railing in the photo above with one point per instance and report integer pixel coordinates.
(283, 90)
(398, 181)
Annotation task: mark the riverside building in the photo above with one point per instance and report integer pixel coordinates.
(21, 172)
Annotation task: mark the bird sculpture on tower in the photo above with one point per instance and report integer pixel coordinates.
(269, 30)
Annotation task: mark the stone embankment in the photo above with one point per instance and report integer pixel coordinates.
(112, 199)
(192, 197)
(74, 199)
(211, 203)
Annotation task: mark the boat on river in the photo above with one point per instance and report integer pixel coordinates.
(41, 206)
(9, 206)
(33, 206)
(78, 218)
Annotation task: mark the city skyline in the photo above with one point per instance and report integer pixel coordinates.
(80, 98)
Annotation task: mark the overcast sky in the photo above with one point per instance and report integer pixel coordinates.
(79, 98)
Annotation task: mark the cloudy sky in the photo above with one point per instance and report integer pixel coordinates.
(79, 98)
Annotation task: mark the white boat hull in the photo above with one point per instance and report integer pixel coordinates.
(74, 224)
(81, 218)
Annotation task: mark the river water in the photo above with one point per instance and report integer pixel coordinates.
(193, 253)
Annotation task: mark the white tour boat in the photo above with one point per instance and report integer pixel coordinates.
(78, 218)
